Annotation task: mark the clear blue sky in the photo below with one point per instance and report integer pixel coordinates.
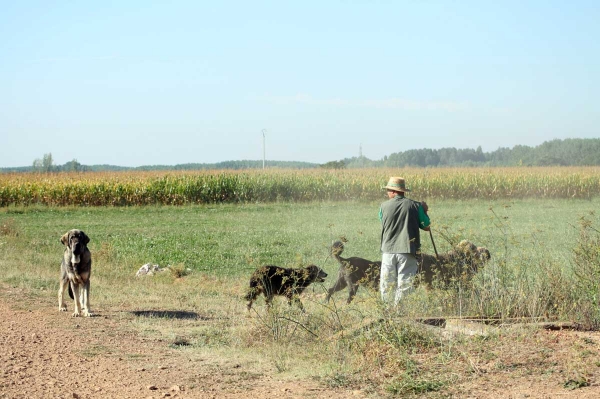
(135, 83)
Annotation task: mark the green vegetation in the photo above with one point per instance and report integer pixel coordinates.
(543, 267)
(228, 241)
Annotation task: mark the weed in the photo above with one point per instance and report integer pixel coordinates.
(106, 253)
(180, 342)
(8, 227)
(284, 325)
(95, 350)
(408, 384)
(179, 270)
(576, 382)
(587, 274)
(281, 357)
(405, 334)
(338, 380)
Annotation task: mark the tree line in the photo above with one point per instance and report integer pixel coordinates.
(567, 152)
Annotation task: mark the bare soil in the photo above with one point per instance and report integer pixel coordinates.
(48, 354)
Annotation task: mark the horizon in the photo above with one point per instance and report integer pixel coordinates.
(267, 161)
(151, 83)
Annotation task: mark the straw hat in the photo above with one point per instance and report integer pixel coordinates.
(397, 184)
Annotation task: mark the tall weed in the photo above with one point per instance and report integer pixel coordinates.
(587, 274)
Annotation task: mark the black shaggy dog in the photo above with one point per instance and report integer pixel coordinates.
(274, 280)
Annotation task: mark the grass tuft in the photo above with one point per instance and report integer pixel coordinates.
(8, 227)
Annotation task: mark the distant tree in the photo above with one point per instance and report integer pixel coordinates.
(432, 157)
(37, 165)
(73, 166)
(47, 162)
(550, 160)
(522, 155)
(362, 162)
(447, 156)
(334, 165)
(44, 165)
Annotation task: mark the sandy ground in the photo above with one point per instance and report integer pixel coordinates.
(48, 354)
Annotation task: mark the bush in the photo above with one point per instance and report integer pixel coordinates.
(587, 275)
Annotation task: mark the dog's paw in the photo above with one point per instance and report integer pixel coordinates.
(62, 308)
(76, 314)
(87, 313)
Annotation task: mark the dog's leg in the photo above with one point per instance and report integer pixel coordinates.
(269, 301)
(62, 285)
(251, 297)
(340, 284)
(352, 281)
(296, 299)
(76, 298)
(85, 299)
(352, 289)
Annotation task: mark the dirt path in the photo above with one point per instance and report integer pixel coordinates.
(48, 354)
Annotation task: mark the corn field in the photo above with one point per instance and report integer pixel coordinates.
(204, 187)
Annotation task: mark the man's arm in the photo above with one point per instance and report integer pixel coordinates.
(424, 221)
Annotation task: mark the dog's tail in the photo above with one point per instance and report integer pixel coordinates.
(336, 250)
(71, 292)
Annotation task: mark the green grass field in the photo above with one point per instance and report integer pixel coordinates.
(228, 241)
(531, 275)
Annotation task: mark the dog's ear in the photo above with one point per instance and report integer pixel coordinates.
(65, 238)
(85, 238)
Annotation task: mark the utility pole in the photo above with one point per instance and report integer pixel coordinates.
(360, 156)
(264, 151)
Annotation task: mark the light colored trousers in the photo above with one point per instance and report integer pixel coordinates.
(397, 274)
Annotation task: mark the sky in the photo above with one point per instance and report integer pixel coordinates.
(134, 83)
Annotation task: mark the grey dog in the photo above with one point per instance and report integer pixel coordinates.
(75, 271)
(353, 272)
(463, 261)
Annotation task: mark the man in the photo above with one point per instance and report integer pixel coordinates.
(401, 218)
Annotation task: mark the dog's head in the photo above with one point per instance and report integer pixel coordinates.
(317, 274)
(76, 241)
(466, 248)
(484, 254)
(472, 255)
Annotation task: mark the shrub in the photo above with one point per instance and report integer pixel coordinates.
(587, 275)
